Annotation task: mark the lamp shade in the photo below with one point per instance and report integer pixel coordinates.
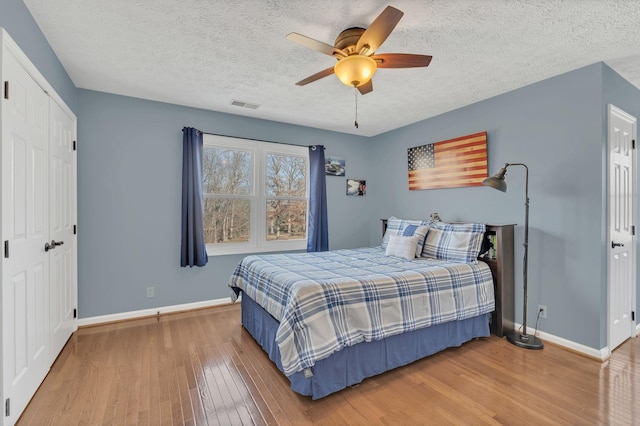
(355, 70)
(497, 181)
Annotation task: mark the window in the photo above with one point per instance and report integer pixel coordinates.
(255, 195)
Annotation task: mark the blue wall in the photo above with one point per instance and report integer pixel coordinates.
(129, 187)
(129, 192)
(556, 128)
(18, 22)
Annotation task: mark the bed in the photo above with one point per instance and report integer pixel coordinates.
(329, 320)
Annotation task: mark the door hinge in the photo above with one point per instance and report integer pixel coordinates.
(633, 230)
(75, 313)
(6, 90)
(6, 249)
(633, 315)
(74, 145)
(7, 407)
(633, 144)
(75, 230)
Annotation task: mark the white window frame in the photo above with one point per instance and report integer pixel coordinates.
(257, 237)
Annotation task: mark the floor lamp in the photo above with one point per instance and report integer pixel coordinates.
(518, 338)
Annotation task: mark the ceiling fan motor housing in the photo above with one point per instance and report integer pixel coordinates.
(348, 39)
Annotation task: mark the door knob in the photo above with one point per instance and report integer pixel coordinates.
(614, 245)
(53, 245)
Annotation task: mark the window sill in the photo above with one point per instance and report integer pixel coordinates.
(281, 246)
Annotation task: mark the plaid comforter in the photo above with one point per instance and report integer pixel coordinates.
(326, 301)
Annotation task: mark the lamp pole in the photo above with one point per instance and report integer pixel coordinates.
(521, 339)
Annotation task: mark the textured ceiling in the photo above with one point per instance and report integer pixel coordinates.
(206, 53)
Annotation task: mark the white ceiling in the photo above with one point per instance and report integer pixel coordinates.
(206, 53)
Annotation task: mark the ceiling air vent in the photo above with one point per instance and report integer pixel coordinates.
(245, 104)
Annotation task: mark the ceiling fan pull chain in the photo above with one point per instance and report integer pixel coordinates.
(355, 91)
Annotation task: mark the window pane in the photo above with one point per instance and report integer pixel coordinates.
(226, 220)
(286, 175)
(226, 171)
(286, 220)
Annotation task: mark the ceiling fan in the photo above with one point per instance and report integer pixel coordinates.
(355, 50)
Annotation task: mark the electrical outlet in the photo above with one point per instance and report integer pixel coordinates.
(542, 309)
(150, 291)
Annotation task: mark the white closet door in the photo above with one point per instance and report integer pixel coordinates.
(62, 196)
(25, 226)
(622, 258)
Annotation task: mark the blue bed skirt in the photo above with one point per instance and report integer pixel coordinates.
(355, 363)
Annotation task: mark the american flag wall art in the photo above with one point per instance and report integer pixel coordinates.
(452, 163)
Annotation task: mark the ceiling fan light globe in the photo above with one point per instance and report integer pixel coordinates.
(355, 70)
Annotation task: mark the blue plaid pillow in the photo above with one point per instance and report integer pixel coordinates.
(406, 228)
(458, 242)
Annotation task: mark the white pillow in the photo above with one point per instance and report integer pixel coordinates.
(397, 226)
(401, 246)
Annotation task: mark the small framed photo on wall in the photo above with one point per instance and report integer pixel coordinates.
(334, 166)
(356, 187)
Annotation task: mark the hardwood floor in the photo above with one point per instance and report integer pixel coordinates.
(202, 367)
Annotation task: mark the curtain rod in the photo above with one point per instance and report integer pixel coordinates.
(249, 139)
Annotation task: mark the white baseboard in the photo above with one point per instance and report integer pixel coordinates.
(151, 312)
(601, 354)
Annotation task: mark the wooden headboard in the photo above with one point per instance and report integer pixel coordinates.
(501, 265)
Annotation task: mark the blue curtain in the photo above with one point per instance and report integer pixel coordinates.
(318, 229)
(193, 250)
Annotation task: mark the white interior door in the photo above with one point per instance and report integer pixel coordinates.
(62, 196)
(621, 244)
(25, 228)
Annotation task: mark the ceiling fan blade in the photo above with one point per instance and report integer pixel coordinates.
(366, 88)
(379, 30)
(313, 44)
(316, 76)
(401, 60)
